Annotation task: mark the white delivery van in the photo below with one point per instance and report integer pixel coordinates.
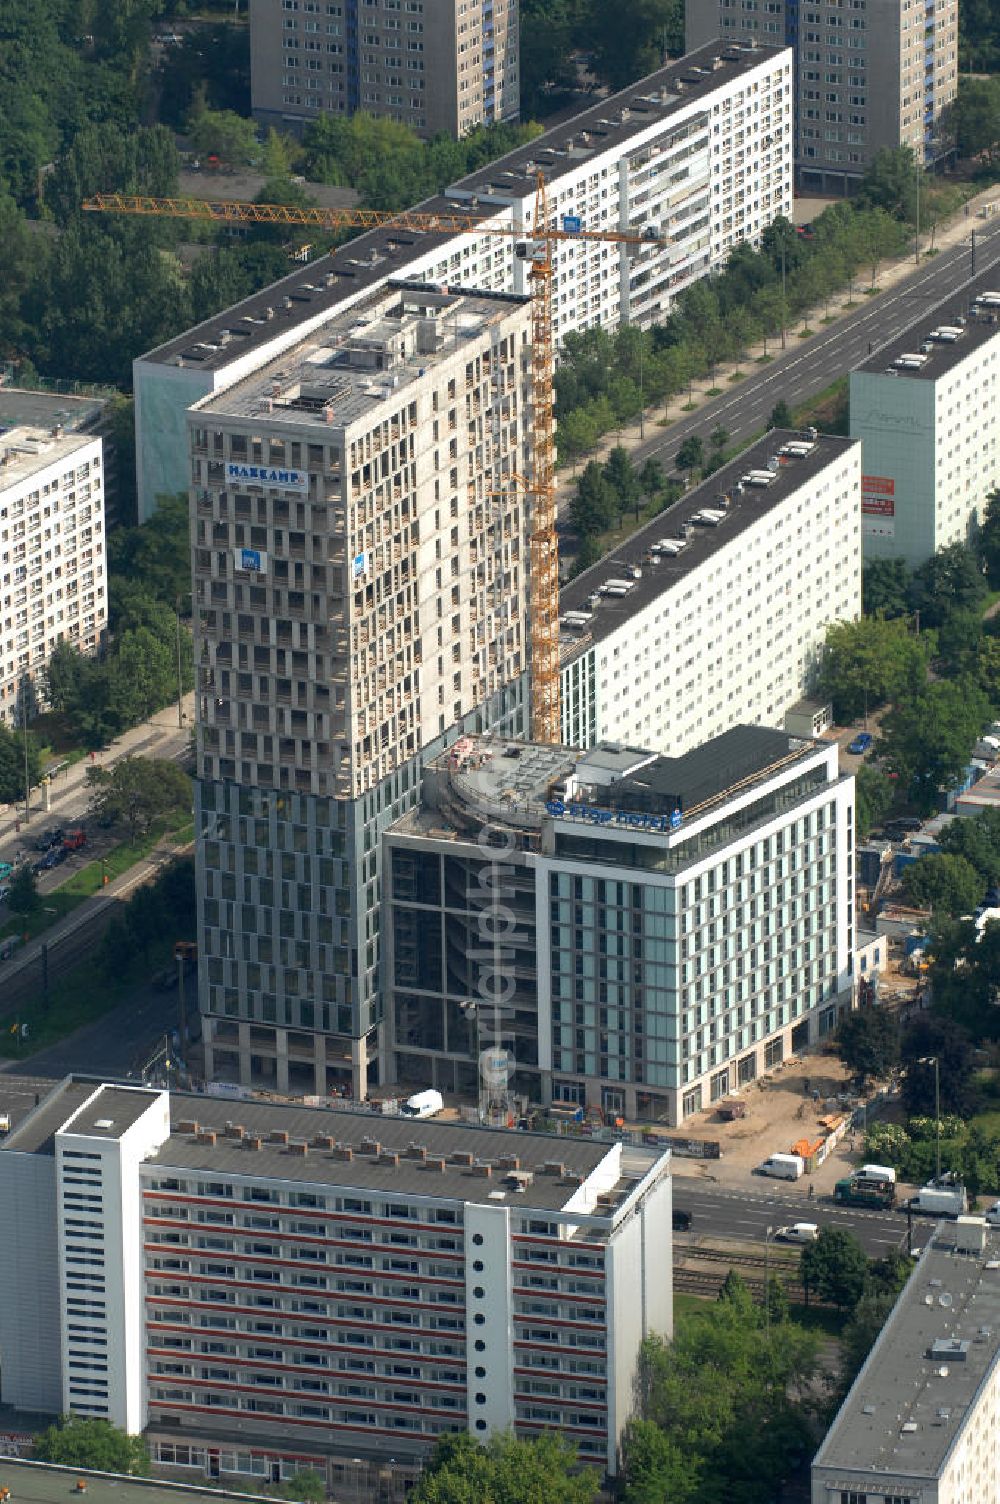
(783, 1167)
(940, 1201)
(798, 1232)
(423, 1104)
(875, 1172)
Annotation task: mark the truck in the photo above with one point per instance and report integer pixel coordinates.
(859, 1192)
(783, 1167)
(875, 1172)
(423, 1104)
(74, 840)
(940, 1201)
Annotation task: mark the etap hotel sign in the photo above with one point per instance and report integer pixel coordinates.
(267, 475)
(628, 819)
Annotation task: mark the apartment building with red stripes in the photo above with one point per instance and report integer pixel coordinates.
(263, 1287)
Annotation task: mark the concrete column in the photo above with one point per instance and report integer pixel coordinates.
(359, 1068)
(246, 1075)
(319, 1065)
(281, 1061)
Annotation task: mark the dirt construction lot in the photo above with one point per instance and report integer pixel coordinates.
(781, 1108)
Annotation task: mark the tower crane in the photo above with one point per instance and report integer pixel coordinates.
(534, 245)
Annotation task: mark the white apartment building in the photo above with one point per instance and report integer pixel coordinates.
(53, 584)
(922, 1420)
(263, 1288)
(869, 74)
(671, 929)
(927, 408)
(434, 65)
(700, 152)
(714, 614)
(361, 593)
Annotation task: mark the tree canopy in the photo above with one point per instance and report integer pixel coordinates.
(928, 738)
(835, 1267)
(136, 791)
(505, 1471)
(12, 760)
(868, 1042)
(871, 662)
(76, 1441)
(944, 883)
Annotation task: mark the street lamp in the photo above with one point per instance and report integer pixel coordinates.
(933, 1060)
(180, 680)
(767, 1282)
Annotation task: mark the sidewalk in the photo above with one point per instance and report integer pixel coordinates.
(67, 793)
(658, 419)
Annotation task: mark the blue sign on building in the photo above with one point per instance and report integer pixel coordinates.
(250, 559)
(572, 224)
(632, 819)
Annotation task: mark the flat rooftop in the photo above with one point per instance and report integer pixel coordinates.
(482, 776)
(942, 357)
(28, 449)
(664, 571)
(365, 1171)
(117, 1107)
(909, 1402)
(366, 353)
(40, 1483)
(21, 408)
(367, 260)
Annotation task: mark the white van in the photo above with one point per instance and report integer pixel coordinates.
(798, 1232)
(783, 1167)
(423, 1104)
(875, 1172)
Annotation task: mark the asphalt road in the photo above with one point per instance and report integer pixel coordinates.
(745, 1216)
(807, 367)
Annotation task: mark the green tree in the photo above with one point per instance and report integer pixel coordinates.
(627, 43)
(891, 182)
(944, 883)
(224, 134)
(505, 1471)
(927, 740)
(868, 1043)
(12, 768)
(988, 542)
(886, 587)
(155, 557)
(835, 1267)
(594, 507)
(950, 581)
(307, 1486)
(24, 897)
(975, 118)
(932, 1036)
(871, 661)
(620, 474)
(781, 415)
(859, 1334)
(78, 1442)
(691, 453)
(656, 1466)
(874, 796)
(719, 437)
(977, 840)
(135, 792)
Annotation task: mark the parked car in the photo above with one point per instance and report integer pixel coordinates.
(681, 1219)
(50, 838)
(859, 746)
(5, 870)
(74, 840)
(992, 1214)
(797, 1232)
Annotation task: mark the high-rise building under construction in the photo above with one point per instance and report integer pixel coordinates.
(360, 569)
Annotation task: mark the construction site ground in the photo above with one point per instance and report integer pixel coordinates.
(780, 1109)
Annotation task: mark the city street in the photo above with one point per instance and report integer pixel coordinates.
(807, 367)
(745, 1216)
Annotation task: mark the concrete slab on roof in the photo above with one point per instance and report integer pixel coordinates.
(942, 357)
